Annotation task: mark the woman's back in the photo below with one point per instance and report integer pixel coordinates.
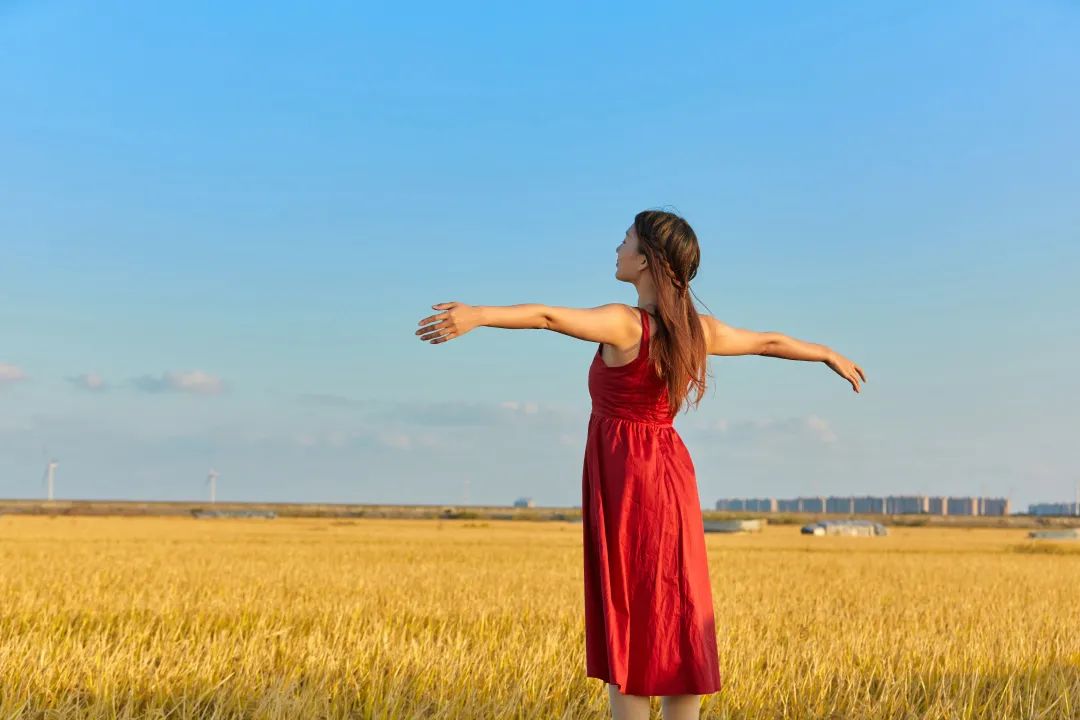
(632, 391)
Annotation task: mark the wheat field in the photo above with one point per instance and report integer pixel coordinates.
(302, 618)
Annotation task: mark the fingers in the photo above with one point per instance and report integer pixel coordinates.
(429, 333)
(433, 325)
(433, 318)
(436, 326)
(853, 374)
(435, 340)
(440, 327)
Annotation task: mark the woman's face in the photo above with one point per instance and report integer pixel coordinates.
(629, 263)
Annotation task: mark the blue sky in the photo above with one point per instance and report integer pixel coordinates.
(220, 225)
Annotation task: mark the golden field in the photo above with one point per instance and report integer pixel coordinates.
(143, 617)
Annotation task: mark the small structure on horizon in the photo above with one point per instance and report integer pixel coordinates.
(211, 480)
(524, 502)
(202, 514)
(49, 478)
(1067, 534)
(855, 528)
(734, 526)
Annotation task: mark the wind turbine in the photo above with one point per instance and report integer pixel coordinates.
(50, 476)
(211, 480)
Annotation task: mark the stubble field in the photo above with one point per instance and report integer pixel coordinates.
(300, 618)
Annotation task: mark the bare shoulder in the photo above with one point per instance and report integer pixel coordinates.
(626, 316)
(632, 327)
(708, 326)
(616, 324)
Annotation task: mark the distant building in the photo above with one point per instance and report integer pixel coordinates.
(840, 504)
(1053, 509)
(907, 504)
(993, 506)
(889, 505)
(802, 504)
(963, 506)
(524, 502)
(870, 505)
(747, 505)
(761, 505)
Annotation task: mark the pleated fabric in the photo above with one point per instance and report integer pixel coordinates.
(649, 622)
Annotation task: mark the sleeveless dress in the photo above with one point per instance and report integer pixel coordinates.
(649, 623)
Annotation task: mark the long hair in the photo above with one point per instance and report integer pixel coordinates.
(679, 353)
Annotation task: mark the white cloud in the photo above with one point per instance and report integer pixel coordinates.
(89, 381)
(11, 374)
(329, 400)
(483, 414)
(821, 427)
(195, 382)
(13, 426)
(811, 426)
(528, 408)
(368, 436)
(447, 426)
(399, 440)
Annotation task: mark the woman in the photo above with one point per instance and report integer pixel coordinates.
(649, 623)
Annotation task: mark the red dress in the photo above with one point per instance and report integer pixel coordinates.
(649, 623)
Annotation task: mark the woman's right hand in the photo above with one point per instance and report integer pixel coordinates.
(455, 320)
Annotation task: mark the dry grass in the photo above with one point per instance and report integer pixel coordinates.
(291, 618)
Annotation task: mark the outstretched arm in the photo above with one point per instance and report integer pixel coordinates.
(724, 339)
(614, 323)
(784, 346)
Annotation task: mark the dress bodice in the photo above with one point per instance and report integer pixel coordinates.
(633, 391)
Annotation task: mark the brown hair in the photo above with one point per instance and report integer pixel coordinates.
(679, 352)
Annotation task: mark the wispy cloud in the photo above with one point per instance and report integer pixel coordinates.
(448, 426)
(329, 400)
(810, 426)
(820, 427)
(10, 374)
(394, 439)
(527, 408)
(482, 414)
(337, 439)
(89, 381)
(195, 382)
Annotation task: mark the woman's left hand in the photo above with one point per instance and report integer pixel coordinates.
(846, 369)
(455, 320)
